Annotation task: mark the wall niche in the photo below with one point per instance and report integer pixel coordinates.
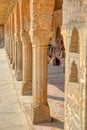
(74, 72)
(74, 47)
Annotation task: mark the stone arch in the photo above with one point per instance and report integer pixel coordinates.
(74, 72)
(74, 47)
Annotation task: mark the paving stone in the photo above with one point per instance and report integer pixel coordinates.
(14, 128)
(55, 101)
(11, 115)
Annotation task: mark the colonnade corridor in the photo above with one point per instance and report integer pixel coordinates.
(11, 115)
(15, 109)
(43, 65)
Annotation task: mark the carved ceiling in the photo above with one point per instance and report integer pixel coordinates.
(5, 8)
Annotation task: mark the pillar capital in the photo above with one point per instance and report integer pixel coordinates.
(40, 109)
(41, 21)
(25, 38)
(40, 38)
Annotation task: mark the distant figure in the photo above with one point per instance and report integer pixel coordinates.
(60, 51)
(57, 61)
(54, 61)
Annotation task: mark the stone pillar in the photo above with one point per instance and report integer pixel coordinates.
(8, 38)
(40, 108)
(13, 40)
(40, 33)
(10, 41)
(27, 46)
(18, 58)
(13, 52)
(5, 30)
(10, 50)
(27, 64)
(18, 43)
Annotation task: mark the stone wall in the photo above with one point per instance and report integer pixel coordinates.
(74, 32)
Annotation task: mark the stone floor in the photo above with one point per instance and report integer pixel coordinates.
(56, 92)
(11, 115)
(14, 107)
(55, 100)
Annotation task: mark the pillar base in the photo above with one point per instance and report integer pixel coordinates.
(40, 114)
(27, 88)
(19, 76)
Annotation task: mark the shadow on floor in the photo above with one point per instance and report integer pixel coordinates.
(54, 124)
(56, 98)
(56, 77)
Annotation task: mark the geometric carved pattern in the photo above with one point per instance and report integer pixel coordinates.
(74, 47)
(74, 73)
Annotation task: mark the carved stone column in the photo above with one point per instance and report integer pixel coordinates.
(13, 53)
(11, 50)
(40, 33)
(27, 63)
(8, 47)
(10, 40)
(40, 108)
(18, 58)
(7, 38)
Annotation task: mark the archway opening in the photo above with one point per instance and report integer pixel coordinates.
(56, 68)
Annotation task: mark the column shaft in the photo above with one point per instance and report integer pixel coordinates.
(13, 53)
(18, 60)
(41, 112)
(27, 68)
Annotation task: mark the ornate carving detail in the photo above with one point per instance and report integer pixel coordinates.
(25, 37)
